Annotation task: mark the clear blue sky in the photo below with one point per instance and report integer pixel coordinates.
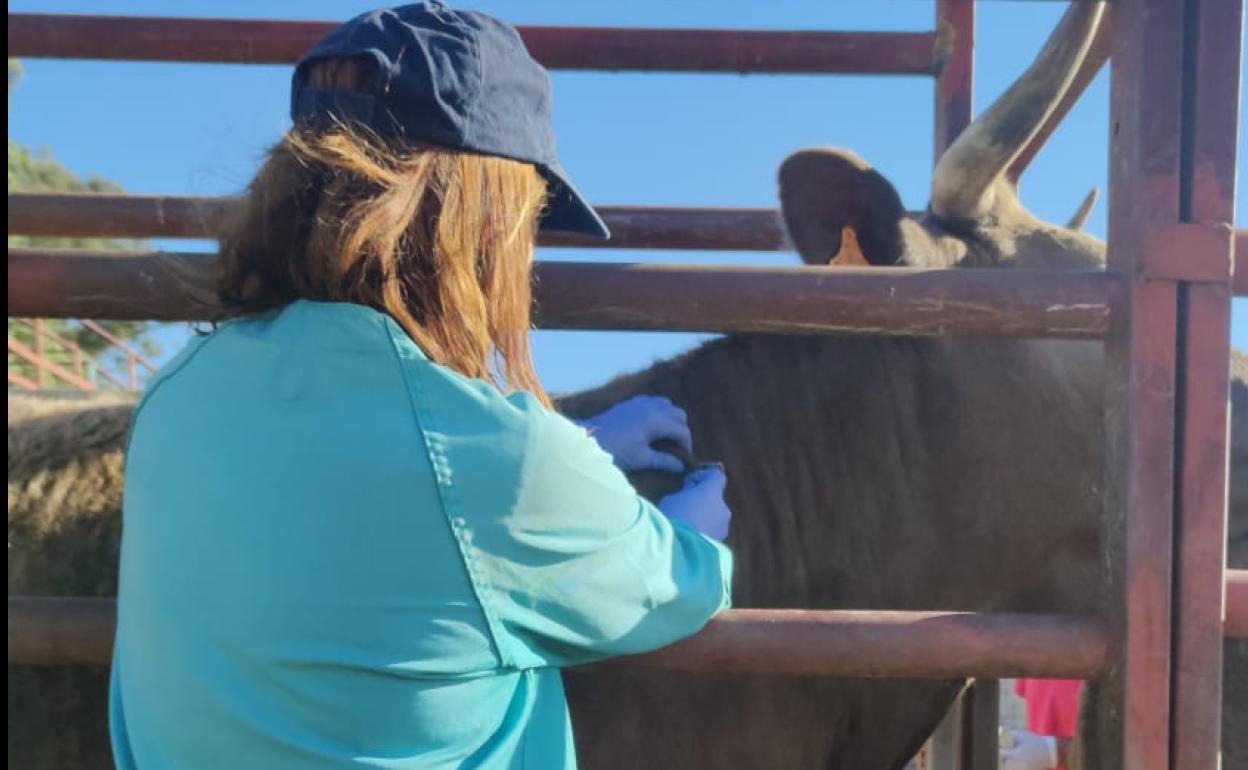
(713, 140)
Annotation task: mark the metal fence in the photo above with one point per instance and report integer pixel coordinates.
(1162, 308)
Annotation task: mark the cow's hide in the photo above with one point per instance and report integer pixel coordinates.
(65, 463)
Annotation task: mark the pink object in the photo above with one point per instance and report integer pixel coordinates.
(1052, 705)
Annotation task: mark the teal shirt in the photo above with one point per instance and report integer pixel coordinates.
(337, 553)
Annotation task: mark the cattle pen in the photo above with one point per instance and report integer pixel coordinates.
(1162, 309)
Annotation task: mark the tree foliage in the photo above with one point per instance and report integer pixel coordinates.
(39, 171)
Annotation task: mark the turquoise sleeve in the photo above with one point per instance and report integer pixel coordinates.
(582, 568)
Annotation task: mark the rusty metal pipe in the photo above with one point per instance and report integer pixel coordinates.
(955, 85)
(254, 41)
(59, 631)
(119, 215)
(859, 643)
(108, 215)
(573, 295)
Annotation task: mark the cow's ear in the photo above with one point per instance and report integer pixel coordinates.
(838, 210)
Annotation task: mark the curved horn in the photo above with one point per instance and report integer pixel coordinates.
(1080, 217)
(964, 177)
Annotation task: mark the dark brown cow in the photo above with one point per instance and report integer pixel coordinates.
(957, 474)
(880, 473)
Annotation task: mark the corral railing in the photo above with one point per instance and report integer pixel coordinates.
(61, 362)
(1162, 309)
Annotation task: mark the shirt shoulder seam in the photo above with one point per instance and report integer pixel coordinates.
(451, 505)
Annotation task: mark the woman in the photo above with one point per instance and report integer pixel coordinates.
(355, 532)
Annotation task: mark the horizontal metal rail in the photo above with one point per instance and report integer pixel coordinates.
(677, 228)
(134, 357)
(51, 367)
(61, 631)
(251, 41)
(42, 335)
(64, 631)
(108, 215)
(1237, 602)
(22, 382)
(171, 286)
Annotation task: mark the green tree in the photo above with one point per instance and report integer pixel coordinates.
(39, 171)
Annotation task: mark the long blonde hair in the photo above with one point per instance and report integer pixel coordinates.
(439, 239)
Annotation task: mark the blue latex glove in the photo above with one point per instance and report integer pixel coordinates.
(700, 503)
(626, 430)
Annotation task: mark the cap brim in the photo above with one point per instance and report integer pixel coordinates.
(567, 211)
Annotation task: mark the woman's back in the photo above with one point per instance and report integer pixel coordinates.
(343, 544)
(325, 560)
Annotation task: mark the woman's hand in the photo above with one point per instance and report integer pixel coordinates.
(626, 431)
(700, 503)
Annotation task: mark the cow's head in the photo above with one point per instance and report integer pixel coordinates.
(838, 210)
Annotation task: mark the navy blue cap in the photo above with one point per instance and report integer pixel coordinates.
(459, 79)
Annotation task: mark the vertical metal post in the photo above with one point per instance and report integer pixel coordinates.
(1140, 386)
(955, 27)
(1212, 50)
(979, 748)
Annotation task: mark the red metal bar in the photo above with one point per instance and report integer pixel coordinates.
(1195, 252)
(61, 631)
(1147, 39)
(1207, 197)
(41, 379)
(109, 215)
(1200, 530)
(1236, 603)
(112, 285)
(837, 643)
(893, 301)
(132, 357)
(955, 35)
(37, 324)
(69, 345)
(891, 644)
(1098, 54)
(135, 38)
(102, 374)
(112, 339)
(94, 215)
(21, 381)
(21, 351)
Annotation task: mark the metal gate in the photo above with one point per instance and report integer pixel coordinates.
(1162, 307)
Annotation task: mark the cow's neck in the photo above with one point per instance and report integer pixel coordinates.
(906, 473)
